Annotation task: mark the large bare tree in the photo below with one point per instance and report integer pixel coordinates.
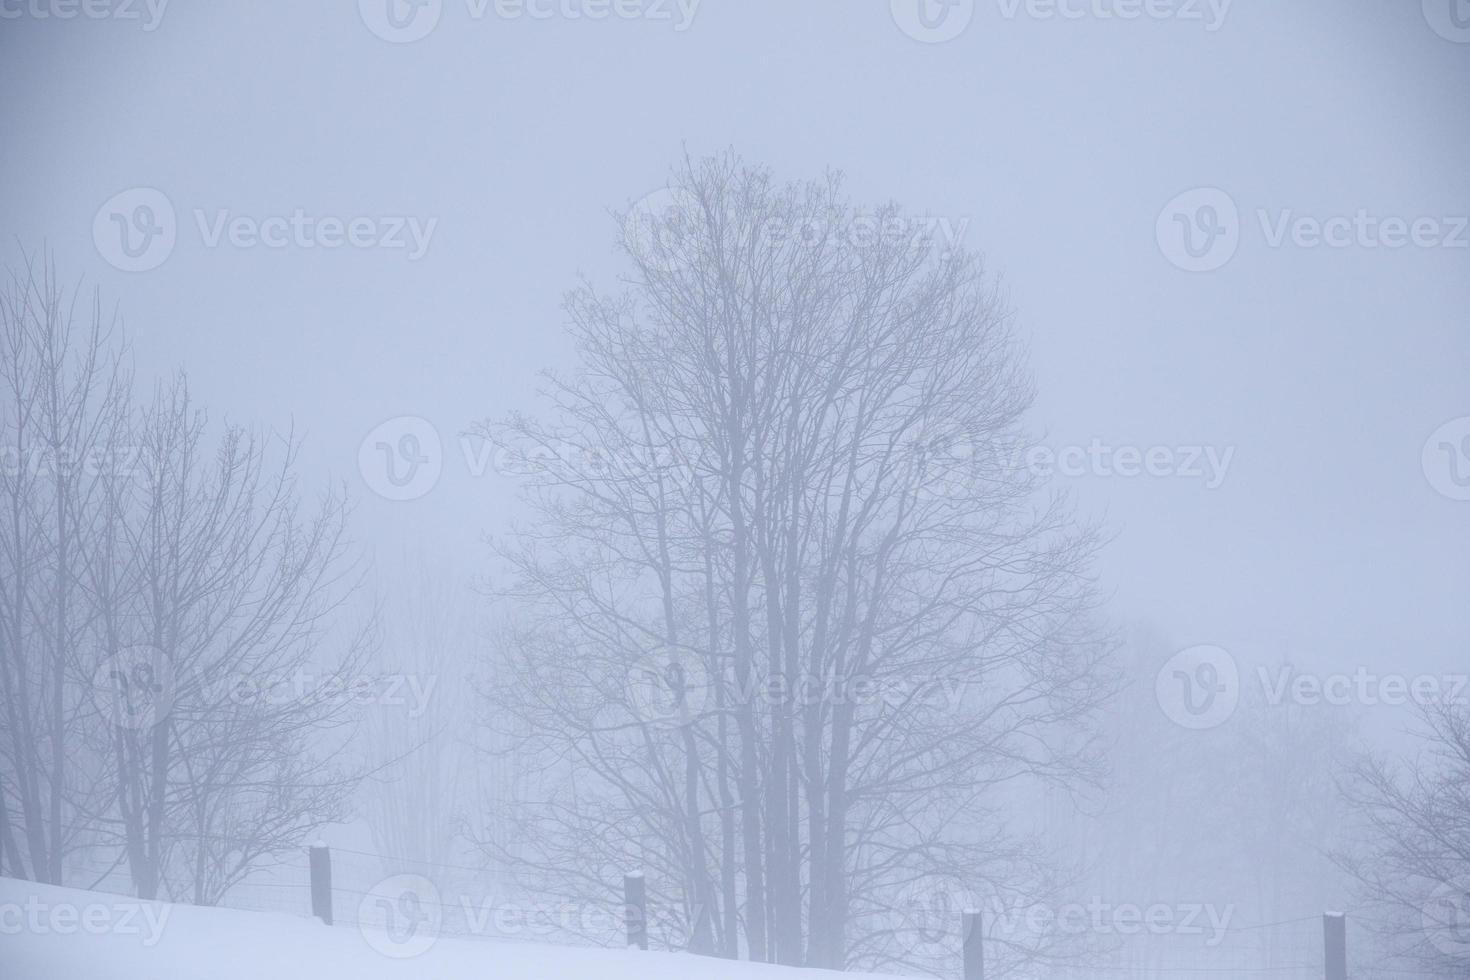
(787, 622)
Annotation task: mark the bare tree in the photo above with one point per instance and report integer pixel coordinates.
(167, 610)
(1412, 865)
(64, 437)
(788, 622)
(232, 596)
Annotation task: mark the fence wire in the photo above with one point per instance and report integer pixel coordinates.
(396, 901)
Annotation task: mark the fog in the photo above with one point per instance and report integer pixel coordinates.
(1189, 282)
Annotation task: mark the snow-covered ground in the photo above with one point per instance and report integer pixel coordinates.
(48, 933)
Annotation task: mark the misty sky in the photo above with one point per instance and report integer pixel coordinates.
(1054, 143)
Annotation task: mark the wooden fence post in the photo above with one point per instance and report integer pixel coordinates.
(973, 938)
(635, 909)
(1334, 941)
(321, 882)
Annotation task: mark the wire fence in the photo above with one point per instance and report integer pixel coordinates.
(402, 905)
(1289, 949)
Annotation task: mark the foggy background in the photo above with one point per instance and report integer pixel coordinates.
(1333, 537)
(1059, 141)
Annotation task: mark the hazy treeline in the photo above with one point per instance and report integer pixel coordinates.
(785, 627)
(165, 591)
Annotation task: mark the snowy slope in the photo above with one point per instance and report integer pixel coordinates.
(48, 933)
